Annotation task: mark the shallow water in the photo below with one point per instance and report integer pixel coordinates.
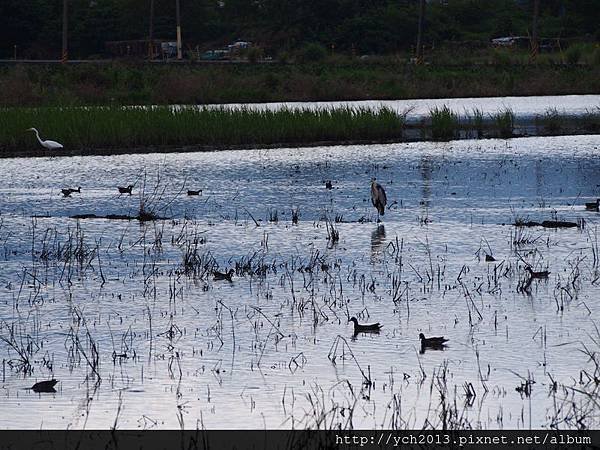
(176, 349)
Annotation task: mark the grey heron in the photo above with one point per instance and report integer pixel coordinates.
(378, 198)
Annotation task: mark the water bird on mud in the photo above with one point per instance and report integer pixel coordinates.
(50, 145)
(68, 191)
(378, 198)
(365, 328)
(532, 274)
(125, 190)
(198, 192)
(44, 386)
(328, 185)
(432, 342)
(593, 206)
(224, 276)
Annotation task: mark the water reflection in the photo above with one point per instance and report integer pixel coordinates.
(358, 333)
(435, 348)
(426, 168)
(377, 241)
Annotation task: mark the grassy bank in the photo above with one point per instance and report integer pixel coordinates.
(115, 129)
(120, 84)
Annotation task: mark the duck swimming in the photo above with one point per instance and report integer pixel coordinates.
(365, 328)
(224, 276)
(432, 342)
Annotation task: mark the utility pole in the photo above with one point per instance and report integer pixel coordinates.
(151, 32)
(65, 32)
(178, 18)
(420, 32)
(535, 45)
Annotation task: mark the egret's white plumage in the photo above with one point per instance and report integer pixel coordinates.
(378, 197)
(50, 145)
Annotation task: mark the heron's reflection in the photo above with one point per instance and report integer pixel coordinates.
(377, 240)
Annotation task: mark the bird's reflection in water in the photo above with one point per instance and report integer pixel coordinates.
(377, 240)
(356, 334)
(435, 348)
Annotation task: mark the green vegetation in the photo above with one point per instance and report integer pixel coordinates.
(505, 122)
(116, 127)
(591, 121)
(109, 129)
(444, 123)
(551, 121)
(477, 121)
(383, 78)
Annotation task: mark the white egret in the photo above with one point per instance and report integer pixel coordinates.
(378, 198)
(50, 145)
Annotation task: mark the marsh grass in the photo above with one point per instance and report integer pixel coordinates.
(112, 126)
(551, 121)
(505, 122)
(591, 120)
(444, 123)
(477, 121)
(113, 129)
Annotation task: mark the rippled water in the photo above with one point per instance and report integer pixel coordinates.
(178, 349)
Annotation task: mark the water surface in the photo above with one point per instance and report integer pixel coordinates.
(181, 349)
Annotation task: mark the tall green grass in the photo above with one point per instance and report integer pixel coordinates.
(444, 123)
(118, 127)
(477, 121)
(551, 121)
(590, 121)
(505, 122)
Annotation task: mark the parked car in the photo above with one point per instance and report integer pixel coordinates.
(239, 45)
(511, 41)
(215, 55)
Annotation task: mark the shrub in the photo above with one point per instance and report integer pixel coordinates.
(573, 54)
(255, 54)
(312, 52)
